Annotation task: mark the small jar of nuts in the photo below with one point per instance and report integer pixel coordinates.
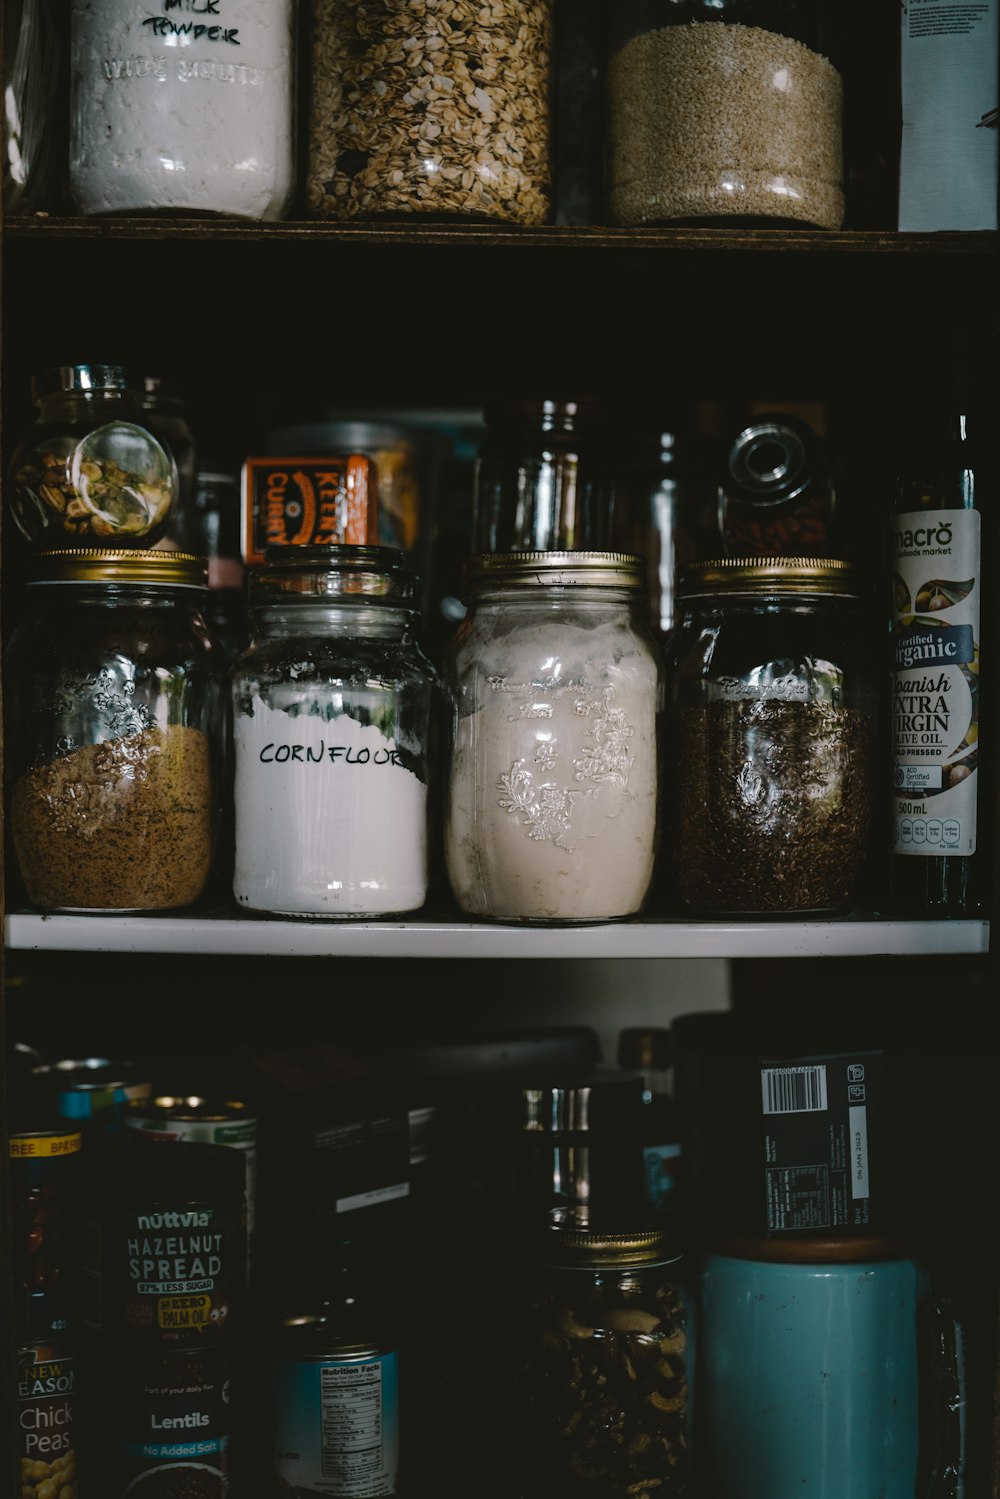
(89, 472)
(438, 108)
(606, 1368)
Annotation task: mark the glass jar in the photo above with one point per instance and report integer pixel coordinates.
(35, 106)
(555, 688)
(537, 480)
(440, 110)
(88, 470)
(332, 705)
(724, 109)
(607, 1368)
(182, 113)
(165, 414)
(771, 738)
(778, 495)
(112, 708)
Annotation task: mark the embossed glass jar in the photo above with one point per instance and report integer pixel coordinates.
(771, 738)
(112, 709)
(554, 683)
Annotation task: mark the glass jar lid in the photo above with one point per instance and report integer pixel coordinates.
(769, 575)
(555, 570)
(596, 1247)
(70, 377)
(333, 572)
(105, 565)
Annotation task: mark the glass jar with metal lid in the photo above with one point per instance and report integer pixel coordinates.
(89, 471)
(554, 682)
(332, 707)
(606, 1367)
(112, 732)
(771, 738)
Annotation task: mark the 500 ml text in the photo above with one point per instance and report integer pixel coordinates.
(314, 754)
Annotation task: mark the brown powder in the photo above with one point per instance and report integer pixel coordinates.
(124, 825)
(774, 804)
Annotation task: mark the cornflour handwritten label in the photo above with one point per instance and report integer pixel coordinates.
(935, 690)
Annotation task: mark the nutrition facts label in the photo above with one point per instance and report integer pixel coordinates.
(351, 1419)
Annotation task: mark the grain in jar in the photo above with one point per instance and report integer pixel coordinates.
(438, 109)
(724, 113)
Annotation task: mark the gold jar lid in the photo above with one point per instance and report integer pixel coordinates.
(121, 565)
(555, 570)
(762, 575)
(593, 1247)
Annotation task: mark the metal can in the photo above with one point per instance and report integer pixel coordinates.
(192, 1120)
(46, 1412)
(335, 1413)
(92, 1090)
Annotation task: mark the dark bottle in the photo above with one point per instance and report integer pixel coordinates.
(939, 826)
(649, 1051)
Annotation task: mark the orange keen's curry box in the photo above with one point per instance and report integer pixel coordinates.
(308, 501)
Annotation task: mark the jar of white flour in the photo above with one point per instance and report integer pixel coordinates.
(332, 704)
(554, 683)
(183, 106)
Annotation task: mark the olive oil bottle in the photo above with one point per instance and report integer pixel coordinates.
(939, 801)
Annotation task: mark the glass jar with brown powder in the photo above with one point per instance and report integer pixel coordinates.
(112, 732)
(771, 738)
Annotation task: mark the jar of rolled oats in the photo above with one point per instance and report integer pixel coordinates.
(725, 110)
(438, 108)
(554, 683)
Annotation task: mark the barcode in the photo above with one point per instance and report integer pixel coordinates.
(793, 1090)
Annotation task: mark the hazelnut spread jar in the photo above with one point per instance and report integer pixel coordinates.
(771, 738)
(554, 683)
(112, 742)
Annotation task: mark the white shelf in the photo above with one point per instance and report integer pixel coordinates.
(247, 936)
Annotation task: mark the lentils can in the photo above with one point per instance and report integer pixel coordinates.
(193, 1120)
(335, 1413)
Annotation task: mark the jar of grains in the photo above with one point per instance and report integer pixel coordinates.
(771, 738)
(724, 109)
(332, 705)
(112, 709)
(187, 111)
(607, 1344)
(440, 109)
(555, 686)
(89, 470)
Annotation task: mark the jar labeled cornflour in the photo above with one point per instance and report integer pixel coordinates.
(771, 738)
(332, 705)
(554, 684)
(440, 109)
(183, 108)
(112, 744)
(724, 109)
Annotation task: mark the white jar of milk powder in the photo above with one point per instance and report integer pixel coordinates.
(183, 106)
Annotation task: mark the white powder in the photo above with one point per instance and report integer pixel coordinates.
(328, 823)
(553, 788)
(182, 105)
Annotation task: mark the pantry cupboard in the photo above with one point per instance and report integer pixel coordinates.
(250, 320)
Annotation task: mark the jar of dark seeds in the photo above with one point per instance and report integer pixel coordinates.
(112, 732)
(439, 109)
(724, 109)
(606, 1369)
(771, 738)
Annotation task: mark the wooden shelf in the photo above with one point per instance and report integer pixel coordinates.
(562, 237)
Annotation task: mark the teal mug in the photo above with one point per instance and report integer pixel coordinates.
(815, 1374)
